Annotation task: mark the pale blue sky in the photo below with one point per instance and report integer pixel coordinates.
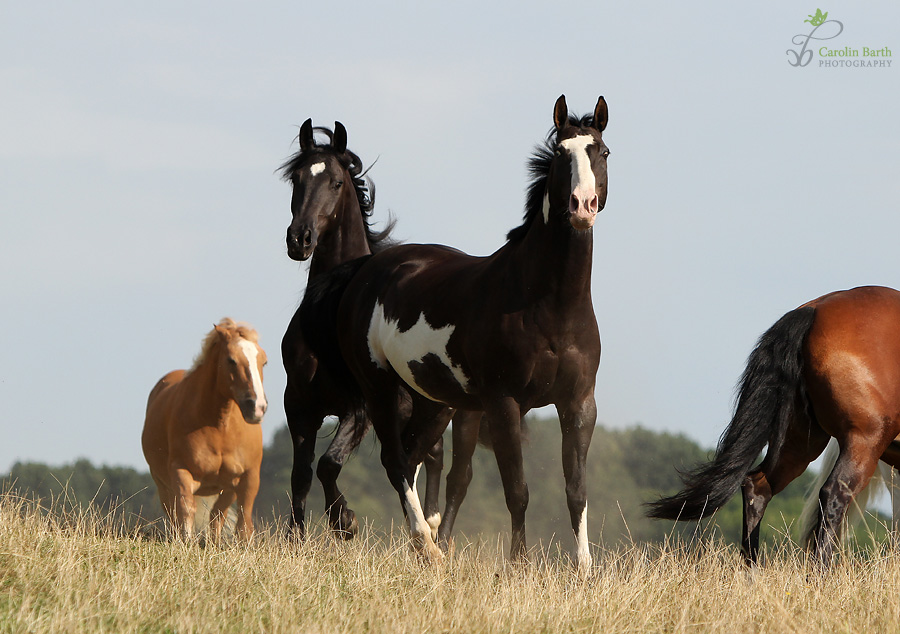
(140, 203)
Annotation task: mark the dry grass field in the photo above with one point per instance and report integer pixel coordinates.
(78, 572)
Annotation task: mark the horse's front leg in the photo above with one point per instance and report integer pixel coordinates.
(304, 420)
(505, 424)
(219, 513)
(349, 435)
(466, 426)
(577, 422)
(185, 503)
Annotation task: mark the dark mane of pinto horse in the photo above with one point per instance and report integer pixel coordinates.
(826, 369)
(539, 170)
(541, 315)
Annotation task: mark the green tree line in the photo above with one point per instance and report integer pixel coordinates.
(625, 468)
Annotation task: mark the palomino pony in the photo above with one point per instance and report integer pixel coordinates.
(499, 334)
(202, 434)
(331, 209)
(830, 368)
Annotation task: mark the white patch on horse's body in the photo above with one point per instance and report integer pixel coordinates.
(251, 352)
(583, 552)
(316, 168)
(582, 174)
(546, 209)
(389, 346)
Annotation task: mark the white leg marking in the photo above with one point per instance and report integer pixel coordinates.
(583, 552)
(582, 174)
(389, 346)
(418, 527)
(316, 168)
(251, 352)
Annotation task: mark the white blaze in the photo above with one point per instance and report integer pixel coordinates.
(388, 346)
(251, 352)
(582, 174)
(316, 168)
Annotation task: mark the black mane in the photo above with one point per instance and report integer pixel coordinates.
(539, 170)
(362, 184)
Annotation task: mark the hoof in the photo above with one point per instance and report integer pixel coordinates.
(434, 521)
(346, 527)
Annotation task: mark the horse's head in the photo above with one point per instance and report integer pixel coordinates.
(240, 371)
(319, 178)
(577, 179)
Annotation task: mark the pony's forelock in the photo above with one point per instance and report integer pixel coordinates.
(231, 329)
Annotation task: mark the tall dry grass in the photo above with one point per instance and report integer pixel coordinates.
(74, 571)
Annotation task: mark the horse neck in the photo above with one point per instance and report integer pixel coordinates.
(556, 260)
(210, 404)
(344, 242)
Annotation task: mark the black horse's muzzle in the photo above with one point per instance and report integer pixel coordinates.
(300, 244)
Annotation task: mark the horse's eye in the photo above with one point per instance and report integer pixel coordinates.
(338, 184)
(605, 153)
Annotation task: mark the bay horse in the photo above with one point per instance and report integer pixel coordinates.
(202, 434)
(499, 334)
(331, 207)
(830, 368)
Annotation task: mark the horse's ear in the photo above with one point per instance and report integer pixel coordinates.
(307, 142)
(339, 143)
(601, 114)
(560, 113)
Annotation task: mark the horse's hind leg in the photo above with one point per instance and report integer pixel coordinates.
(466, 426)
(852, 471)
(803, 443)
(434, 465)
(349, 435)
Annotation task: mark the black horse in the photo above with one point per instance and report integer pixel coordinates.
(499, 334)
(331, 206)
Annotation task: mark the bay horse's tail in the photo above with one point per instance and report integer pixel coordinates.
(769, 390)
(318, 322)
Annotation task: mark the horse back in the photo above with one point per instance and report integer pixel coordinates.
(493, 334)
(853, 361)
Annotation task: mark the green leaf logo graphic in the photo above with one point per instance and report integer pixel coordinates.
(818, 18)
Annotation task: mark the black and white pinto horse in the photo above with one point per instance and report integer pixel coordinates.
(500, 334)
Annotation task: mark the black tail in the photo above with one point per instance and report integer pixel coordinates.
(318, 322)
(768, 392)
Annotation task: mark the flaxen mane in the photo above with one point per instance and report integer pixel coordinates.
(233, 328)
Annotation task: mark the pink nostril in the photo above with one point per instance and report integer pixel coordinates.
(573, 204)
(594, 204)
